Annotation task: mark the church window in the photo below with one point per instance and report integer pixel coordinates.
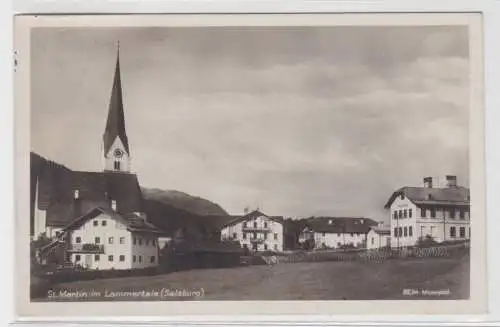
(117, 165)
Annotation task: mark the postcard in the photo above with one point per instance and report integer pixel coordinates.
(249, 164)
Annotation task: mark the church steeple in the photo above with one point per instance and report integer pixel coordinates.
(116, 148)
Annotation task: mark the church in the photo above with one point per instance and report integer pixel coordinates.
(97, 216)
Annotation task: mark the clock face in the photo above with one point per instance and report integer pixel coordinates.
(118, 153)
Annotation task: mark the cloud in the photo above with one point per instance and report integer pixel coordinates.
(300, 121)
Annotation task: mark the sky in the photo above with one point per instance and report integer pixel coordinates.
(298, 121)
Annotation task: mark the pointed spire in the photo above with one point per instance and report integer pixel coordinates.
(115, 125)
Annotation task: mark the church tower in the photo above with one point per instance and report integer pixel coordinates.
(115, 141)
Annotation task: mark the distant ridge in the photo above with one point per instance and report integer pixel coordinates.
(184, 201)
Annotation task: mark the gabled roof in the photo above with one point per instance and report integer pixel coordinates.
(115, 125)
(340, 224)
(456, 195)
(56, 186)
(133, 222)
(250, 216)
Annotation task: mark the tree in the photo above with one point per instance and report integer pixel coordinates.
(426, 241)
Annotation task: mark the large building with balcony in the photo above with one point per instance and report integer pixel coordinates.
(255, 231)
(105, 239)
(440, 213)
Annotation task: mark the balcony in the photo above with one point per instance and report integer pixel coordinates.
(256, 229)
(257, 240)
(86, 248)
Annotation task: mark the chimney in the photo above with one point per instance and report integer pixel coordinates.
(428, 182)
(451, 181)
(330, 222)
(76, 194)
(113, 205)
(362, 221)
(380, 224)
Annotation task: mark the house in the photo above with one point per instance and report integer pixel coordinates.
(105, 239)
(378, 237)
(255, 231)
(442, 213)
(336, 232)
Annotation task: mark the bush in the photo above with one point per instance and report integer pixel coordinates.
(426, 241)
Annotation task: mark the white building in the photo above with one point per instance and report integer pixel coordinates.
(104, 239)
(336, 232)
(255, 231)
(439, 212)
(378, 237)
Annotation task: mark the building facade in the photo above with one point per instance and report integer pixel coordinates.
(255, 231)
(378, 237)
(440, 213)
(336, 232)
(104, 239)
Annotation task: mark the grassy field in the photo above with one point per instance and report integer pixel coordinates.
(300, 281)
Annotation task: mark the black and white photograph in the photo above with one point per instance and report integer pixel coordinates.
(251, 163)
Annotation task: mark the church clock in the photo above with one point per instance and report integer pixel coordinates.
(118, 153)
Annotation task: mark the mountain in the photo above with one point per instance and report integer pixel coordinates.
(184, 201)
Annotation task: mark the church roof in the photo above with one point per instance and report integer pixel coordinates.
(115, 124)
(56, 186)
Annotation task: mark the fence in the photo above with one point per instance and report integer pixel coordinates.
(376, 255)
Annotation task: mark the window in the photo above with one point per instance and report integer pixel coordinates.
(405, 213)
(77, 257)
(254, 224)
(373, 240)
(433, 213)
(402, 196)
(452, 213)
(235, 235)
(276, 247)
(95, 222)
(110, 240)
(78, 239)
(423, 213)
(244, 236)
(453, 231)
(133, 258)
(265, 224)
(405, 230)
(97, 240)
(462, 214)
(135, 241)
(122, 240)
(245, 224)
(400, 231)
(395, 215)
(140, 258)
(254, 246)
(104, 223)
(276, 235)
(322, 234)
(117, 165)
(400, 213)
(265, 246)
(409, 213)
(97, 257)
(410, 231)
(140, 241)
(152, 259)
(147, 242)
(110, 258)
(352, 234)
(122, 258)
(462, 232)
(395, 232)
(153, 242)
